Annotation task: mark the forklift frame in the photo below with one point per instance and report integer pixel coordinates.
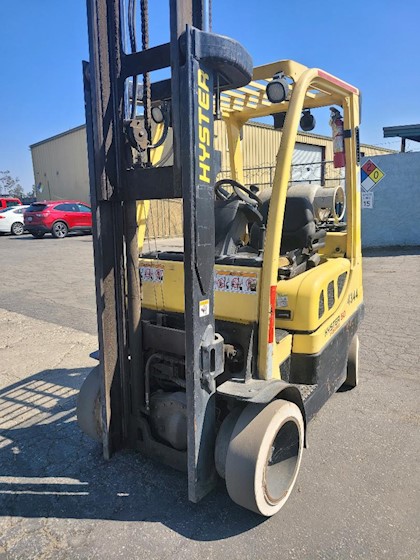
(209, 74)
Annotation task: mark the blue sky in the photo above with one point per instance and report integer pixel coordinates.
(371, 44)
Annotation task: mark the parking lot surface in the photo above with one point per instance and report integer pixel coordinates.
(358, 492)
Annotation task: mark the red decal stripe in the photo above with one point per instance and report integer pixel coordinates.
(336, 81)
(273, 291)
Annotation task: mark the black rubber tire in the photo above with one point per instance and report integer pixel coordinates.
(60, 230)
(89, 405)
(223, 438)
(17, 228)
(352, 379)
(264, 456)
(38, 234)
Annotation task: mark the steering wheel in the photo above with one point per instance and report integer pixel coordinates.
(242, 192)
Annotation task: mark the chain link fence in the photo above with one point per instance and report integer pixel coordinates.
(165, 216)
(318, 173)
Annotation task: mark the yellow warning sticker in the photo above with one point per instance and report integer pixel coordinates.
(204, 308)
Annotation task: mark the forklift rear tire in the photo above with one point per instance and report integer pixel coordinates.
(352, 379)
(264, 456)
(89, 405)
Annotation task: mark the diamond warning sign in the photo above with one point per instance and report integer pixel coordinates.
(370, 175)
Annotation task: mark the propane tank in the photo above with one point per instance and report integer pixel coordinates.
(337, 125)
(329, 203)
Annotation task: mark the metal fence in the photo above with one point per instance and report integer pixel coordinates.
(165, 216)
(317, 173)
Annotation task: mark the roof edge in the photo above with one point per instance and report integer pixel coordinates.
(250, 123)
(70, 131)
(320, 136)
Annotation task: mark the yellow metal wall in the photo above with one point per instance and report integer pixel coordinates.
(261, 144)
(369, 151)
(164, 220)
(60, 164)
(262, 141)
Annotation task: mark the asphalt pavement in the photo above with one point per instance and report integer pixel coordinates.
(358, 491)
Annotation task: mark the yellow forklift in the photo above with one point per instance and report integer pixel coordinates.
(214, 359)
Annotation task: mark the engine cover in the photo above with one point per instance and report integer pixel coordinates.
(168, 417)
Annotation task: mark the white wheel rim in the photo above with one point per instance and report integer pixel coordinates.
(281, 463)
(269, 504)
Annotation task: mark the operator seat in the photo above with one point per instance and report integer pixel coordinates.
(299, 228)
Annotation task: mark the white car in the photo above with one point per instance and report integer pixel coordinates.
(11, 220)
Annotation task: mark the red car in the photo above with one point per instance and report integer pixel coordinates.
(57, 217)
(7, 201)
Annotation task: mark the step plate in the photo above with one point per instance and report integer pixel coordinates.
(306, 390)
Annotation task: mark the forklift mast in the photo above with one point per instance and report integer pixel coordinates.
(202, 64)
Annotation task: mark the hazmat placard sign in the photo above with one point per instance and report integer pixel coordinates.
(370, 175)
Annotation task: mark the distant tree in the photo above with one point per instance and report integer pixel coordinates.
(10, 185)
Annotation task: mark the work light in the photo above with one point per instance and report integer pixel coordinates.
(157, 114)
(307, 121)
(278, 89)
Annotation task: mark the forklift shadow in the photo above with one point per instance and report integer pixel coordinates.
(48, 468)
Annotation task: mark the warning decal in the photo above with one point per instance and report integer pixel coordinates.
(234, 282)
(152, 273)
(204, 308)
(282, 301)
(370, 175)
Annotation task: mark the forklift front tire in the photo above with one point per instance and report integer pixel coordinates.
(89, 405)
(264, 456)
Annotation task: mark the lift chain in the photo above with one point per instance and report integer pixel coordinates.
(147, 97)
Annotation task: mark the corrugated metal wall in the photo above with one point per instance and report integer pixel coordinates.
(60, 165)
(261, 143)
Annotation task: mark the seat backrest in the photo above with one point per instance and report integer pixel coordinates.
(298, 224)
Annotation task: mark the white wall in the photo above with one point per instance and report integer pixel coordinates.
(395, 217)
